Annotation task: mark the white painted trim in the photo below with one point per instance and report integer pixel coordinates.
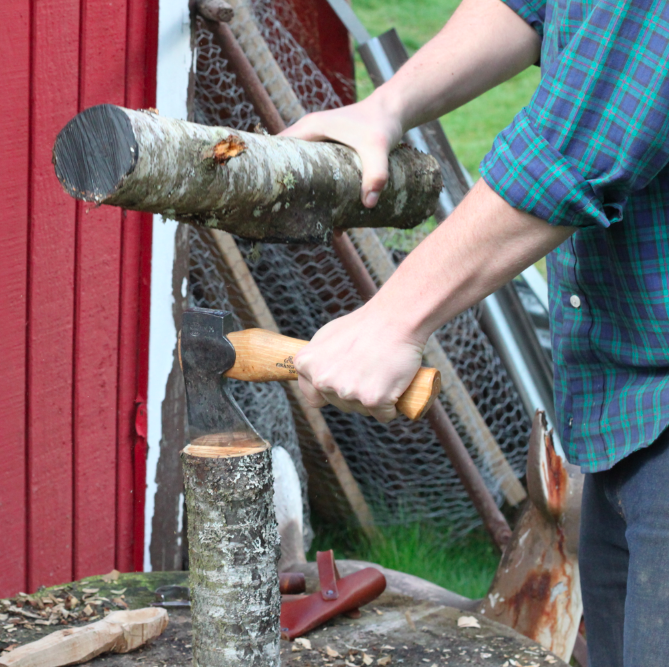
(174, 63)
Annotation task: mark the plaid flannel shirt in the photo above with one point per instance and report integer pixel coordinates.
(591, 150)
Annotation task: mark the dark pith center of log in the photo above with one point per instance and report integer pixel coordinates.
(94, 152)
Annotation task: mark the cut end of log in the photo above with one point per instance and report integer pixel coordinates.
(225, 445)
(94, 152)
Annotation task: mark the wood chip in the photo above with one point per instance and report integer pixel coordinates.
(385, 660)
(228, 148)
(88, 610)
(387, 648)
(304, 643)
(24, 612)
(411, 624)
(367, 659)
(331, 652)
(90, 591)
(468, 622)
(120, 603)
(123, 590)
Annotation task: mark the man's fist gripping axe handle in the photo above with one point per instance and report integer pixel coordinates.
(256, 355)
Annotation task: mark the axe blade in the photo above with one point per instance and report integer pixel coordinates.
(214, 418)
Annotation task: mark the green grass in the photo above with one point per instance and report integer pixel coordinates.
(472, 128)
(465, 567)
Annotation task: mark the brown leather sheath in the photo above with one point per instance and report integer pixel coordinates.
(337, 596)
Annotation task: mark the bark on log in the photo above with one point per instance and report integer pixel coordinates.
(234, 551)
(214, 10)
(254, 185)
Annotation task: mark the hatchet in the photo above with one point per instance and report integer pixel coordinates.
(211, 352)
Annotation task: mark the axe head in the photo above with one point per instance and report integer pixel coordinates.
(214, 418)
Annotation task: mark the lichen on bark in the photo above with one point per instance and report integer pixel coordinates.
(234, 551)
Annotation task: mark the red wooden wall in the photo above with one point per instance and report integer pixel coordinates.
(319, 31)
(75, 286)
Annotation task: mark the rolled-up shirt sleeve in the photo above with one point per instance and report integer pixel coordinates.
(597, 128)
(533, 12)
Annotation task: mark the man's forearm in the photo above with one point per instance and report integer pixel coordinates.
(480, 247)
(483, 44)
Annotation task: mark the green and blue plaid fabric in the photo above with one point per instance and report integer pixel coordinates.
(591, 150)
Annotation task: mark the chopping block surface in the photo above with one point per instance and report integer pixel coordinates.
(393, 630)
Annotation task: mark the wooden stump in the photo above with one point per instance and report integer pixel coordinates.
(401, 625)
(234, 551)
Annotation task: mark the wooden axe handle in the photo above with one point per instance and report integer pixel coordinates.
(263, 356)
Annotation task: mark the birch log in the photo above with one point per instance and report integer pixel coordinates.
(254, 185)
(234, 551)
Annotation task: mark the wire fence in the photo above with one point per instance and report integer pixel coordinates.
(400, 467)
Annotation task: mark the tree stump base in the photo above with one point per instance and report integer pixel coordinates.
(432, 634)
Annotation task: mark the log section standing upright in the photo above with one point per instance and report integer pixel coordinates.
(233, 539)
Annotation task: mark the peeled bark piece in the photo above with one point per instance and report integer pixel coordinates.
(256, 186)
(233, 551)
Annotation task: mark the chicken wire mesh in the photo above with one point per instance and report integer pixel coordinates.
(400, 468)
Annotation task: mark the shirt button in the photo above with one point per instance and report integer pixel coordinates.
(571, 421)
(575, 301)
